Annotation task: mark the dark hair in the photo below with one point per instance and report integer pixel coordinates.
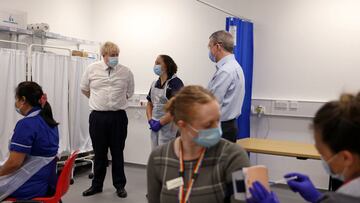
(171, 66)
(32, 93)
(338, 123)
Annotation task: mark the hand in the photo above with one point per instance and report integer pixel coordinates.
(303, 185)
(259, 194)
(151, 122)
(155, 125)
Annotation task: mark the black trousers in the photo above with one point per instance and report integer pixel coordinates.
(108, 129)
(230, 130)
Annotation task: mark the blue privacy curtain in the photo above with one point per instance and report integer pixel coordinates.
(244, 45)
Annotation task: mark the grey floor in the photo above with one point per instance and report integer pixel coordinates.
(136, 188)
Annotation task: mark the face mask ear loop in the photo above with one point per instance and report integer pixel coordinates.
(192, 128)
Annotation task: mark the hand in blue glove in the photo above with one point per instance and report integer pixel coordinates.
(151, 122)
(155, 125)
(259, 194)
(303, 185)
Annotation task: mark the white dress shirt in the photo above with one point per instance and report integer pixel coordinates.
(109, 88)
(228, 86)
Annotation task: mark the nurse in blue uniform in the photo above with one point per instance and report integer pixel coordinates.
(168, 84)
(30, 170)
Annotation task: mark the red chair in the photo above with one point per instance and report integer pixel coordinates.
(62, 185)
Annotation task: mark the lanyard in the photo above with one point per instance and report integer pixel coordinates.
(183, 197)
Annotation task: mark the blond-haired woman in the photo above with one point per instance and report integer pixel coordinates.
(199, 157)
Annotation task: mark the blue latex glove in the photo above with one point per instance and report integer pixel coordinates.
(155, 125)
(303, 185)
(259, 194)
(151, 122)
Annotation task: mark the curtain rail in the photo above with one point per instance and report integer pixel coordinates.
(29, 61)
(222, 10)
(13, 42)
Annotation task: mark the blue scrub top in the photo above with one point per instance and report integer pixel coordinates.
(33, 136)
(174, 85)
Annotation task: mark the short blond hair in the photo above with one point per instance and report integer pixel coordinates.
(183, 105)
(109, 48)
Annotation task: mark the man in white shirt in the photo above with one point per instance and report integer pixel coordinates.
(228, 82)
(108, 85)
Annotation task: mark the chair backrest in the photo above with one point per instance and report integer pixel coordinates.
(63, 182)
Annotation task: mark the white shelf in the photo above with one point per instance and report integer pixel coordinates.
(56, 36)
(16, 30)
(47, 35)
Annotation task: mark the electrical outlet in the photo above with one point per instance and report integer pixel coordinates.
(259, 110)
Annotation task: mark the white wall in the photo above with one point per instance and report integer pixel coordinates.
(304, 50)
(144, 29)
(66, 17)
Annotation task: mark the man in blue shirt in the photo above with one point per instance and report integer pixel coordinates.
(228, 82)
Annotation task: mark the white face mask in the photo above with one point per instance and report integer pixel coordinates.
(327, 168)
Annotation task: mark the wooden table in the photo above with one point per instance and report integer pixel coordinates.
(280, 148)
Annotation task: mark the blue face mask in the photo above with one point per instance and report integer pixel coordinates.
(113, 61)
(212, 57)
(157, 70)
(329, 171)
(18, 110)
(207, 137)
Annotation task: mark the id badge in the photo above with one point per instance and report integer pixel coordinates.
(174, 183)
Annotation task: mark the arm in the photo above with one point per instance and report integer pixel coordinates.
(149, 108)
(167, 118)
(86, 93)
(153, 182)
(131, 86)
(219, 85)
(85, 84)
(13, 163)
(236, 160)
(20, 145)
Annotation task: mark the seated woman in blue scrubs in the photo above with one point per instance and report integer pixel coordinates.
(337, 139)
(30, 170)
